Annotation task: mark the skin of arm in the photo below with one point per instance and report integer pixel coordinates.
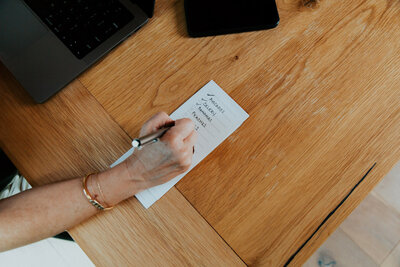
(47, 210)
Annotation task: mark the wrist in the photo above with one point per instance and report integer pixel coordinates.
(113, 186)
(137, 174)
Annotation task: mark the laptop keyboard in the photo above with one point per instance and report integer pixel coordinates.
(82, 25)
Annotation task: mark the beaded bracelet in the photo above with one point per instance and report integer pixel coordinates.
(91, 199)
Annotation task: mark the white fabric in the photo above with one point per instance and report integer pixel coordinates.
(17, 185)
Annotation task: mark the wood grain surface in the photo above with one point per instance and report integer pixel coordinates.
(72, 135)
(322, 91)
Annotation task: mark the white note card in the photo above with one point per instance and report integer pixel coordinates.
(216, 117)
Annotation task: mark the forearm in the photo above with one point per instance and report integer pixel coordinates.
(45, 211)
(42, 212)
(48, 210)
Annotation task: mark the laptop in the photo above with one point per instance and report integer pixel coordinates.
(46, 44)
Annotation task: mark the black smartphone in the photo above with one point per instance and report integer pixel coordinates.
(215, 17)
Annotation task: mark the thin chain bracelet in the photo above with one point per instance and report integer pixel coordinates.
(89, 197)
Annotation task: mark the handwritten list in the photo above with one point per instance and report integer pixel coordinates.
(216, 117)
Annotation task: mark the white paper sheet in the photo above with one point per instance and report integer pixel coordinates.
(216, 116)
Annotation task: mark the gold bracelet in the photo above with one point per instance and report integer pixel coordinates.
(91, 199)
(101, 192)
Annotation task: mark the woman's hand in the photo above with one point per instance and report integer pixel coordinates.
(159, 162)
(155, 164)
(62, 205)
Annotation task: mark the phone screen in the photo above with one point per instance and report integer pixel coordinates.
(213, 17)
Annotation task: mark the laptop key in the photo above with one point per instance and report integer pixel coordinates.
(82, 25)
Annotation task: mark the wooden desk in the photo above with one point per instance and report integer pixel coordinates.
(322, 91)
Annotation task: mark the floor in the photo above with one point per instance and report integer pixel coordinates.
(46, 253)
(370, 236)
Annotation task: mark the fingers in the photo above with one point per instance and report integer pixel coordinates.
(180, 139)
(161, 161)
(182, 129)
(191, 139)
(156, 122)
